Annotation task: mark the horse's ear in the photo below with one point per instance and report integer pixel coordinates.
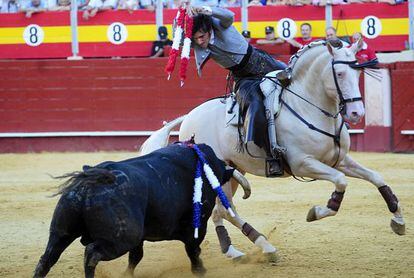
(357, 46)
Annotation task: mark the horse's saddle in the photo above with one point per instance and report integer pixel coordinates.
(233, 108)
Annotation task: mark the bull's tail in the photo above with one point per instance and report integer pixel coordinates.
(90, 176)
(159, 138)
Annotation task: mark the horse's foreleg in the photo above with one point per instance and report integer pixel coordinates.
(312, 168)
(224, 239)
(249, 231)
(352, 168)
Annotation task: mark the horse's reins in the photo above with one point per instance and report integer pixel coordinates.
(342, 102)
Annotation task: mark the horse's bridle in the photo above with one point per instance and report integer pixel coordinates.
(342, 103)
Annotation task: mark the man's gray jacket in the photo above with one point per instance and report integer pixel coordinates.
(226, 37)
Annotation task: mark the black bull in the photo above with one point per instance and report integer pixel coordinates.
(115, 206)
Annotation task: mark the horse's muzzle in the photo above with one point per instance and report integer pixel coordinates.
(354, 112)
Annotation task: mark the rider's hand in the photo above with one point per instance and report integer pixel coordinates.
(195, 10)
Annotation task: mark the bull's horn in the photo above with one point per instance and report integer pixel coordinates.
(243, 182)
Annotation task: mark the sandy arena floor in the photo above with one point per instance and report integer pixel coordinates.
(358, 242)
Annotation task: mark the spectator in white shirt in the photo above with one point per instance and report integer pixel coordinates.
(9, 6)
(129, 5)
(33, 6)
(211, 3)
(59, 5)
(98, 5)
(147, 4)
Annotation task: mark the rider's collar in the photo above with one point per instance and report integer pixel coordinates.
(211, 37)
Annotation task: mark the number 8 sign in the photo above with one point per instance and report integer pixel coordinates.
(33, 35)
(371, 27)
(286, 28)
(117, 33)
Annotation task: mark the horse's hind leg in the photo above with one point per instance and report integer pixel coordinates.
(135, 256)
(56, 245)
(352, 168)
(312, 168)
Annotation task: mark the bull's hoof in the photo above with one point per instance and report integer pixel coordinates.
(311, 215)
(272, 257)
(198, 270)
(398, 228)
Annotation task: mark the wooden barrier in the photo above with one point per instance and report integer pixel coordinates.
(402, 74)
(113, 104)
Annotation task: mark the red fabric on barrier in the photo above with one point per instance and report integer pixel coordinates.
(99, 94)
(402, 78)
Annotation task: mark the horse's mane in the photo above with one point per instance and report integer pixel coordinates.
(295, 57)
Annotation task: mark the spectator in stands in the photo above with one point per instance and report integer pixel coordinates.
(365, 53)
(306, 31)
(331, 35)
(33, 6)
(270, 37)
(147, 4)
(332, 2)
(60, 5)
(210, 3)
(98, 5)
(129, 5)
(297, 2)
(158, 46)
(254, 3)
(230, 3)
(276, 2)
(82, 4)
(9, 6)
(246, 34)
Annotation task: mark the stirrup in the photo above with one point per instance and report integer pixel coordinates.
(274, 167)
(278, 152)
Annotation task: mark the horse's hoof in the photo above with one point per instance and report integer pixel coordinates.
(233, 253)
(272, 257)
(311, 215)
(398, 228)
(241, 259)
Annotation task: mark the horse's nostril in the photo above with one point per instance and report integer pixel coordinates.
(354, 114)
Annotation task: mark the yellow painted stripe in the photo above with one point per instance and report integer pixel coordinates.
(395, 26)
(136, 33)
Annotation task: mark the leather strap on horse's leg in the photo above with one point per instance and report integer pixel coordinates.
(250, 232)
(335, 201)
(389, 197)
(224, 238)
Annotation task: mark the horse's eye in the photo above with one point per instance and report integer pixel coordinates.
(340, 74)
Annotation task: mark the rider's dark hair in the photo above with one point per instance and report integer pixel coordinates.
(202, 23)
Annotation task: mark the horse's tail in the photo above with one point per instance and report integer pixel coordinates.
(159, 138)
(90, 176)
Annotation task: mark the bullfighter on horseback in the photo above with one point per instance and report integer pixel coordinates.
(214, 36)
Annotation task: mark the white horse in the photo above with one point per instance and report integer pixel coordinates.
(308, 124)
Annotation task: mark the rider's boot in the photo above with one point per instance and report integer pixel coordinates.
(274, 164)
(275, 152)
